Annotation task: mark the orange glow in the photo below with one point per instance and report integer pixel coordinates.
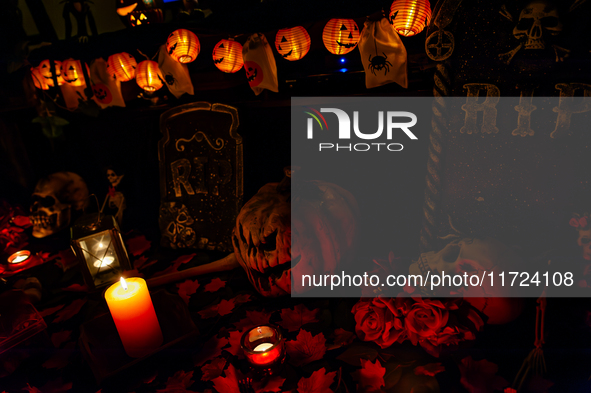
(45, 71)
(122, 66)
(147, 76)
(126, 10)
(340, 36)
(38, 80)
(19, 256)
(183, 45)
(72, 72)
(227, 56)
(409, 17)
(292, 43)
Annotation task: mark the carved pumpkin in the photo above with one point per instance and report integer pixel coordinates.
(409, 17)
(292, 43)
(145, 17)
(324, 222)
(227, 56)
(254, 73)
(122, 66)
(183, 45)
(147, 76)
(72, 72)
(340, 36)
(45, 71)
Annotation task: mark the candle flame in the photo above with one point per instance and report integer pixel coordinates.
(123, 283)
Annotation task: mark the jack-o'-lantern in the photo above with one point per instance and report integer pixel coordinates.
(266, 248)
(292, 43)
(183, 45)
(409, 17)
(147, 76)
(72, 72)
(145, 17)
(122, 66)
(254, 73)
(227, 56)
(38, 80)
(45, 70)
(340, 36)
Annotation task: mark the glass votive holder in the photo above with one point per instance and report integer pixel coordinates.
(264, 348)
(18, 257)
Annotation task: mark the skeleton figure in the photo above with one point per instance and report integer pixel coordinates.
(176, 225)
(53, 200)
(114, 200)
(80, 10)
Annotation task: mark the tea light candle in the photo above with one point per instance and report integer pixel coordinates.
(134, 316)
(19, 257)
(264, 348)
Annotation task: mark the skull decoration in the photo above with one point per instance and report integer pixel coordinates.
(176, 225)
(538, 19)
(477, 256)
(53, 200)
(324, 225)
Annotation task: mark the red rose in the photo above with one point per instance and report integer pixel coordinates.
(426, 319)
(381, 320)
(574, 222)
(583, 221)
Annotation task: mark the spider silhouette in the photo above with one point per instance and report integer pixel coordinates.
(378, 63)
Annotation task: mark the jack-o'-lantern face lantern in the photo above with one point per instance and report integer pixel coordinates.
(293, 43)
(340, 36)
(263, 235)
(46, 73)
(145, 17)
(227, 56)
(254, 73)
(102, 93)
(72, 72)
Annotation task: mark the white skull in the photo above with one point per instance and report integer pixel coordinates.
(584, 241)
(535, 20)
(53, 200)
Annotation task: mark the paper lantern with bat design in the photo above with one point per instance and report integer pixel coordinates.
(340, 36)
(38, 80)
(72, 72)
(227, 56)
(45, 71)
(292, 43)
(409, 17)
(147, 76)
(183, 45)
(122, 66)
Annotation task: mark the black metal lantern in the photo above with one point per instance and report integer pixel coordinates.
(99, 248)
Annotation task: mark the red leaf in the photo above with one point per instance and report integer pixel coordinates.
(253, 318)
(306, 348)
(61, 357)
(342, 338)
(60, 337)
(292, 320)
(213, 370)
(57, 386)
(241, 299)
(229, 383)
(139, 262)
(49, 311)
(70, 311)
(138, 245)
(174, 267)
(224, 307)
(319, 382)
(32, 389)
(187, 288)
(370, 377)
(430, 369)
(211, 349)
(66, 259)
(215, 285)
(76, 288)
(178, 383)
(272, 384)
(480, 376)
(234, 339)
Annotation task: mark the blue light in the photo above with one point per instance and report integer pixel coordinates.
(342, 60)
(343, 70)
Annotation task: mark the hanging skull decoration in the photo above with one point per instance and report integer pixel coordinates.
(263, 235)
(477, 257)
(54, 199)
(538, 21)
(176, 225)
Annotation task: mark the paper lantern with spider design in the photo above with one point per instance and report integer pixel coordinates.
(147, 76)
(122, 66)
(292, 43)
(227, 56)
(340, 36)
(409, 17)
(183, 45)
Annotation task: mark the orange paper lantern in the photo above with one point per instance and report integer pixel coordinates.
(72, 72)
(227, 56)
(293, 43)
(147, 76)
(122, 66)
(183, 45)
(340, 36)
(38, 80)
(409, 17)
(45, 71)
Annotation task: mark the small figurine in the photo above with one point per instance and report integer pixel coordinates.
(114, 201)
(80, 10)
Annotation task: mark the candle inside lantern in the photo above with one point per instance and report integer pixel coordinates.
(263, 346)
(19, 256)
(134, 316)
